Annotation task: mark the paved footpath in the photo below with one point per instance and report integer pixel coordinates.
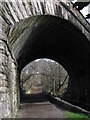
(37, 106)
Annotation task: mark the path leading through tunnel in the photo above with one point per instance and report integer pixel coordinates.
(37, 106)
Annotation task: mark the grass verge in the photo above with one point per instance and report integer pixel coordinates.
(75, 115)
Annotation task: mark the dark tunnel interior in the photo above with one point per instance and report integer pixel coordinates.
(58, 39)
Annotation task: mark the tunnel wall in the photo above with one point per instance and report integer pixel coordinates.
(9, 95)
(78, 91)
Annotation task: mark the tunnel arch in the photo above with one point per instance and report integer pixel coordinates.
(72, 51)
(38, 37)
(55, 38)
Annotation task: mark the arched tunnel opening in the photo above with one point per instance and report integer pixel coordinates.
(43, 77)
(55, 30)
(58, 39)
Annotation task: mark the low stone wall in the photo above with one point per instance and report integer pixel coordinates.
(67, 106)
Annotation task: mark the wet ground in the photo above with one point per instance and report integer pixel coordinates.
(38, 106)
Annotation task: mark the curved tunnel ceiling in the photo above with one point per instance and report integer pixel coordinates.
(54, 38)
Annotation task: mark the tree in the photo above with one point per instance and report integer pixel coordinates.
(52, 75)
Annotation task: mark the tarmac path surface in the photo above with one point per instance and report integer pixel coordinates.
(37, 106)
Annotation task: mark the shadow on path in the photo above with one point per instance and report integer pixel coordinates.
(38, 106)
(33, 98)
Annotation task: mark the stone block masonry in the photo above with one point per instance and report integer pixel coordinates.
(8, 78)
(18, 23)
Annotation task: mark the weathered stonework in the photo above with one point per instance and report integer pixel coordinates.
(21, 24)
(7, 81)
(8, 78)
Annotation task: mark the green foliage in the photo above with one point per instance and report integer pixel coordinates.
(75, 115)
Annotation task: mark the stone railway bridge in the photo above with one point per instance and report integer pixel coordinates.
(31, 29)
